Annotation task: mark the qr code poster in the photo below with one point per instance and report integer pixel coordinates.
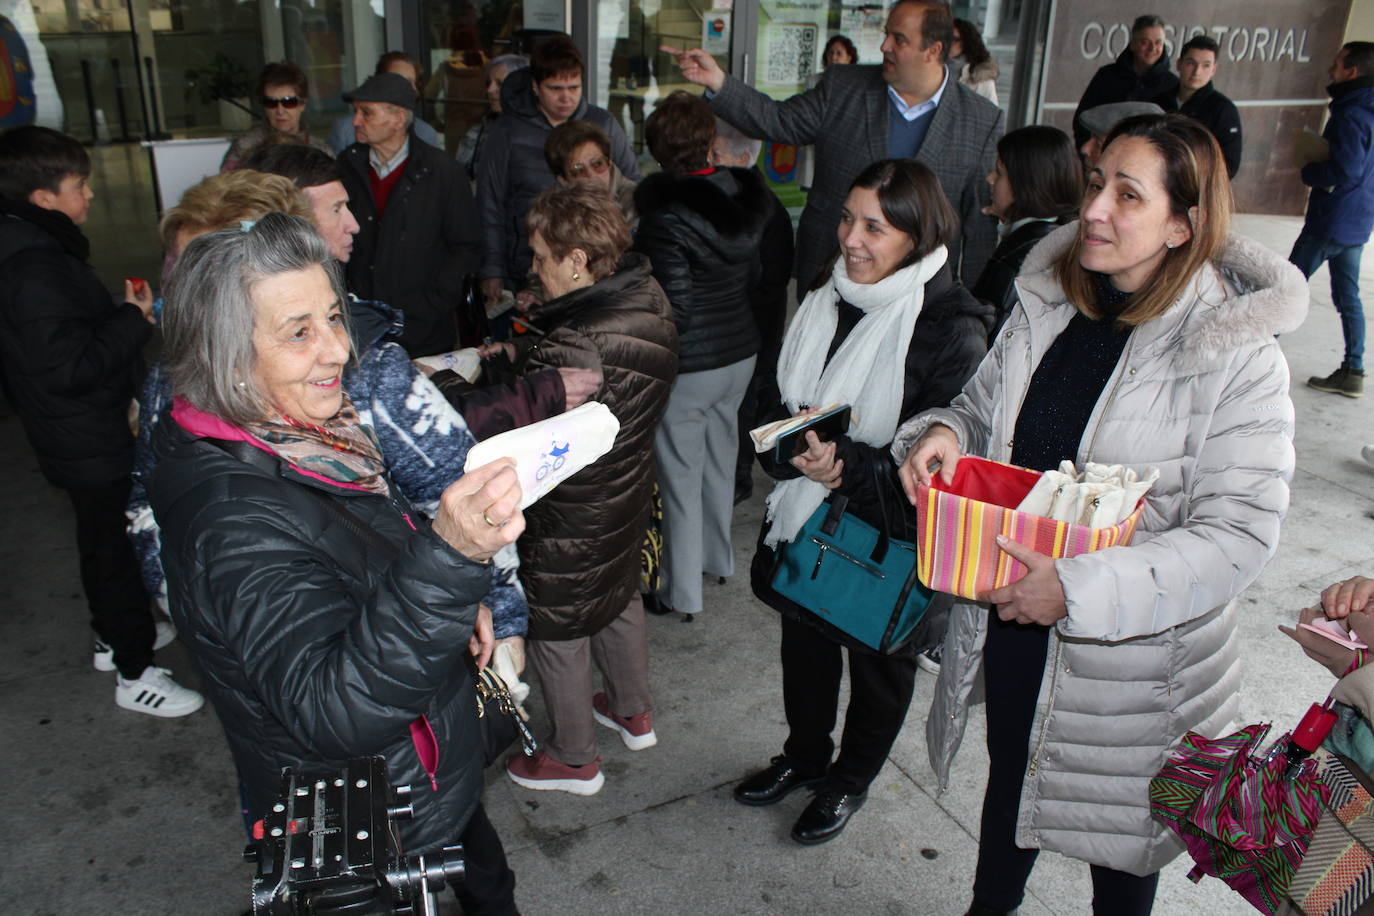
(790, 50)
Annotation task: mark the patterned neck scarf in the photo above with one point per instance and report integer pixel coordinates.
(343, 450)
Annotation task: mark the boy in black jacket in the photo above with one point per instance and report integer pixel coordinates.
(70, 361)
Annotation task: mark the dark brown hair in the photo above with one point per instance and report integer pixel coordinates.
(912, 202)
(936, 25)
(679, 132)
(975, 52)
(1194, 176)
(283, 73)
(1045, 173)
(554, 55)
(391, 57)
(1359, 55)
(34, 158)
(848, 46)
(581, 216)
(565, 139)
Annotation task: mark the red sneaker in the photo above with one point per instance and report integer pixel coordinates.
(636, 731)
(544, 773)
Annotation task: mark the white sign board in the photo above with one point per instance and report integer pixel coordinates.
(178, 164)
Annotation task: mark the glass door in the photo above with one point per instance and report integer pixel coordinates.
(790, 40)
(631, 74)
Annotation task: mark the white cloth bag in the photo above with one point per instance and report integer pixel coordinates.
(550, 451)
(1102, 496)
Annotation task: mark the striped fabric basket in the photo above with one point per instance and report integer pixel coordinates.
(957, 528)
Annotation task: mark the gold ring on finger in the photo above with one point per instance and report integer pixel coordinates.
(487, 518)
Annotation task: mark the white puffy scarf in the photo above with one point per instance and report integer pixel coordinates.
(868, 371)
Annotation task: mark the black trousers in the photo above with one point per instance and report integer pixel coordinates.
(488, 888)
(1013, 666)
(880, 692)
(120, 612)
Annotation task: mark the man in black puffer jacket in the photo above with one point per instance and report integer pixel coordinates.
(72, 361)
(513, 170)
(1139, 73)
(702, 228)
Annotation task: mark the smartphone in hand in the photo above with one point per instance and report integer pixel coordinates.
(827, 427)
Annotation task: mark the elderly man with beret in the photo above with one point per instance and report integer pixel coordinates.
(418, 234)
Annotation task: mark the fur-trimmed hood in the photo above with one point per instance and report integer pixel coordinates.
(1251, 294)
(987, 70)
(723, 208)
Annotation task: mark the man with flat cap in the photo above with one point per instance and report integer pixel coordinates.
(1096, 123)
(418, 234)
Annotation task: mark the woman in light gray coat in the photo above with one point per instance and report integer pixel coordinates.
(1144, 337)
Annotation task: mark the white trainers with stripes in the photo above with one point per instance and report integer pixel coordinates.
(104, 655)
(156, 694)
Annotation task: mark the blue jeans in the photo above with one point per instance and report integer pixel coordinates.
(1309, 251)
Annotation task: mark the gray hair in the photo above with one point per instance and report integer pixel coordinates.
(208, 311)
(735, 142)
(1147, 21)
(511, 62)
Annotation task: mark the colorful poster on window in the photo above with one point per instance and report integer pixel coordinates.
(16, 78)
(862, 23)
(715, 32)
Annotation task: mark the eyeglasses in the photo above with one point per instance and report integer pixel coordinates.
(597, 165)
(287, 101)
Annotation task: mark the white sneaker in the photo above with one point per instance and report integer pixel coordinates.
(156, 694)
(104, 655)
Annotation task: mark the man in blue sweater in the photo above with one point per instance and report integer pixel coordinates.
(1340, 212)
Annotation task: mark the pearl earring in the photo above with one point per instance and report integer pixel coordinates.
(576, 276)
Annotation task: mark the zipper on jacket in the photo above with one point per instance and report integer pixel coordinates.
(1058, 645)
(1049, 708)
(1111, 396)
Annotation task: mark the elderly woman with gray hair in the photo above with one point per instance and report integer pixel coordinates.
(327, 617)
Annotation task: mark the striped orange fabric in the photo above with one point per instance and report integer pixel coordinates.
(957, 535)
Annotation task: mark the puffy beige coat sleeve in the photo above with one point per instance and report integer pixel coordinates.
(970, 414)
(1234, 502)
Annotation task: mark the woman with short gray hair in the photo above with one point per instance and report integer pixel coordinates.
(327, 616)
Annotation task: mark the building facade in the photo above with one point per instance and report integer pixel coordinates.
(131, 70)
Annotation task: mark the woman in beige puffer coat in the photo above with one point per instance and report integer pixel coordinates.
(1141, 641)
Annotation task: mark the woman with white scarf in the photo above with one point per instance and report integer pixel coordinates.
(890, 331)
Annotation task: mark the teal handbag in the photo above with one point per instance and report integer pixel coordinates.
(853, 577)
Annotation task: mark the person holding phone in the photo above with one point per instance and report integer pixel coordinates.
(888, 330)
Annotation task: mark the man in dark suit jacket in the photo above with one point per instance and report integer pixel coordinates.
(912, 106)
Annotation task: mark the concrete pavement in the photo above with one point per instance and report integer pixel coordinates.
(115, 812)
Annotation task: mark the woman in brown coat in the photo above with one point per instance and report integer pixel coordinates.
(579, 555)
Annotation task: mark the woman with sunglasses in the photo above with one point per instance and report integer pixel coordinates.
(282, 91)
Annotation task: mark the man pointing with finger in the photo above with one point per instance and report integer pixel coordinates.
(909, 107)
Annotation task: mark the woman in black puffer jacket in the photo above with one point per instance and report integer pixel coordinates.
(328, 618)
(701, 228)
